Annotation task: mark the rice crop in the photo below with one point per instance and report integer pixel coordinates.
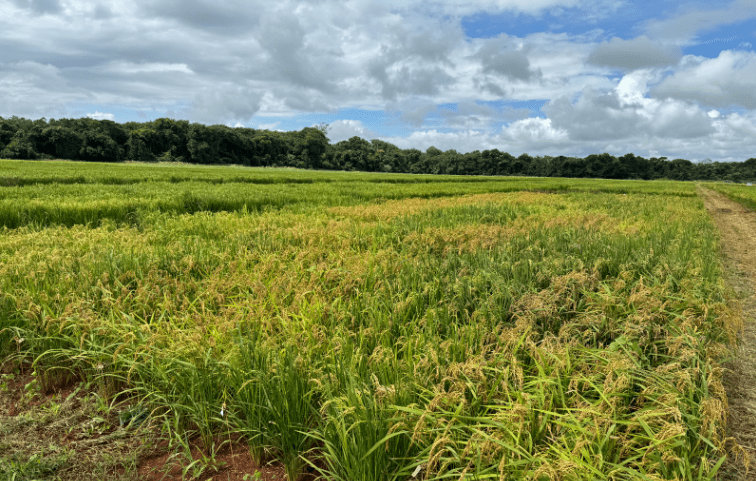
(459, 328)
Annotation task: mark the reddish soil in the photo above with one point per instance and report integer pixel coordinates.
(232, 463)
(10, 404)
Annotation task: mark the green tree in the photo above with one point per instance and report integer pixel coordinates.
(99, 147)
(202, 145)
(138, 145)
(61, 142)
(19, 147)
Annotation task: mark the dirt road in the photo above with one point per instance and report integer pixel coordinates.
(737, 226)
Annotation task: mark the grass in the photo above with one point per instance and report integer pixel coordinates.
(63, 436)
(381, 327)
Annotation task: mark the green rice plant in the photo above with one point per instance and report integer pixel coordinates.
(275, 403)
(290, 403)
(249, 409)
(358, 439)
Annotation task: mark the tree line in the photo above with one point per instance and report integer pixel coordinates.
(168, 140)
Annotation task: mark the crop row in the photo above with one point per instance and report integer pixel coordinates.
(45, 194)
(15, 173)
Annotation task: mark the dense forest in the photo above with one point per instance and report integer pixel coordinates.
(167, 140)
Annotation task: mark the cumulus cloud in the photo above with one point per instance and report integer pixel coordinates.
(244, 60)
(626, 112)
(462, 141)
(101, 116)
(199, 59)
(225, 18)
(123, 67)
(471, 115)
(346, 129)
(502, 57)
(467, 7)
(268, 126)
(298, 57)
(535, 130)
(35, 90)
(687, 21)
(726, 81)
(619, 120)
(627, 119)
(413, 60)
(415, 114)
(637, 53)
(39, 6)
(232, 102)
(410, 80)
(595, 115)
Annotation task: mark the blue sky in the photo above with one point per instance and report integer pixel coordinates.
(550, 77)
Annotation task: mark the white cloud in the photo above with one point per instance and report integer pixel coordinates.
(239, 61)
(639, 52)
(726, 81)
(472, 6)
(124, 67)
(287, 57)
(535, 131)
(101, 116)
(346, 129)
(414, 113)
(620, 120)
(230, 101)
(271, 126)
(689, 21)
(470, 115)
(462, 141)
(504, 58)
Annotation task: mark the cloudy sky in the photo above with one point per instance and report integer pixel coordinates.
(573, 77)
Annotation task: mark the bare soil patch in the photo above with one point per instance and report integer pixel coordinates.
(231, 462)
(737, 226)
(59, 429)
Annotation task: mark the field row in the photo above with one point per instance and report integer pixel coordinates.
(19, 173)
(42, 194)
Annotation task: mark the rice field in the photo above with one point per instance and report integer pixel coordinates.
(380, 327)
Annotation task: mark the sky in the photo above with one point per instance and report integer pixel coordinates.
(545, 77)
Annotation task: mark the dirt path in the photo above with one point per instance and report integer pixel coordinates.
(737, 226)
